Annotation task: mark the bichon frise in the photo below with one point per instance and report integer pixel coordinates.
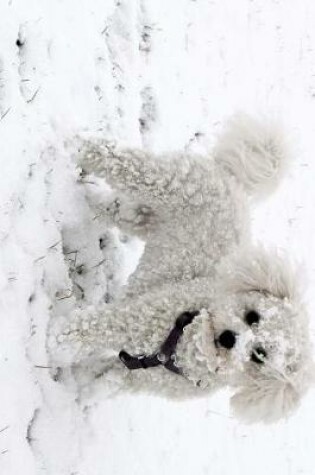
(204, 308)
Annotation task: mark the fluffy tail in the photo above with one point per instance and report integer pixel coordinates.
(254, 152)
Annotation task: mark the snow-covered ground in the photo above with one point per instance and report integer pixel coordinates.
(163, 75)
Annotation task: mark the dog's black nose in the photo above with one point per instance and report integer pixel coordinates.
(227, 339)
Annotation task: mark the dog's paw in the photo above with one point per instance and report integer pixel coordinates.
(93, 156)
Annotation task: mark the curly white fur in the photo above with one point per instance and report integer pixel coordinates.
(264, 143)
(193, 213)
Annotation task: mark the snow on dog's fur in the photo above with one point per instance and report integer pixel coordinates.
(192, 212)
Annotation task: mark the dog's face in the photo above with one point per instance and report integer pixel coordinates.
(266, 332)
(262, 337)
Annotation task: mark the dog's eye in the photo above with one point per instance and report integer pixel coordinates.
(258, 355)
(252, 317)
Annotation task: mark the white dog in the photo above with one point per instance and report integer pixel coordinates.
(204, 309)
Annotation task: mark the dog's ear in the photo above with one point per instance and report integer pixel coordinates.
(265, 400)
(271, 396)
(257, 270)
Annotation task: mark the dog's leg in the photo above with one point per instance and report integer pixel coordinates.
(130, 216)
(89, 334)
(168, 180)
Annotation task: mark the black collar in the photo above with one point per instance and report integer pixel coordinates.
(166, 355)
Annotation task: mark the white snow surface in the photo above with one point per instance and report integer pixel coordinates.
(162, 75)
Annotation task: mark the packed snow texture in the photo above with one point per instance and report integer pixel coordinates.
(160, 75)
